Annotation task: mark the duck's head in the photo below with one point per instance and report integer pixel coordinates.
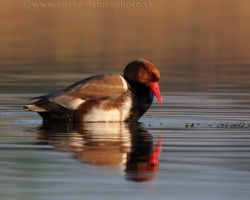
(144, 72)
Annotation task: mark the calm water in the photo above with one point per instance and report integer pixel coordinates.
(203, 148)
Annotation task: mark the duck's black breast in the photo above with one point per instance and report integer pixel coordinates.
(142, 98)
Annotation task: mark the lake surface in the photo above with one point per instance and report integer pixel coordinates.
(195, 145)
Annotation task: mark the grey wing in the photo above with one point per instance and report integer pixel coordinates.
(108, 86)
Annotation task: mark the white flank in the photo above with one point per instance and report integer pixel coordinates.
(100, 114)
(124, 82)
(126, 108)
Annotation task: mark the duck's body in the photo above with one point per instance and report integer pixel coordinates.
(102, 98)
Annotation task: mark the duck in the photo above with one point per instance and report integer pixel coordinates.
(103, 98)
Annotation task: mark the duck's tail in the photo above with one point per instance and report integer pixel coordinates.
(33, 107)
(38, 106)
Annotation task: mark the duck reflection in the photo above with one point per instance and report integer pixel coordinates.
(107, 145)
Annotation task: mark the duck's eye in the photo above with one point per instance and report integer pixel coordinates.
(150, 73)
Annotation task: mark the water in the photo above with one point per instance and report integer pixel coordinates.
(201, 130)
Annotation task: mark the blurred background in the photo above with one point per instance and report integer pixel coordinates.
(201, 48)
(197, 45)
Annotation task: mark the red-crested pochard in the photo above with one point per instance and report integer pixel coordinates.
(109, 97)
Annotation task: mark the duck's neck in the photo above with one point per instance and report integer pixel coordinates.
(136, 87)
(142, 98)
